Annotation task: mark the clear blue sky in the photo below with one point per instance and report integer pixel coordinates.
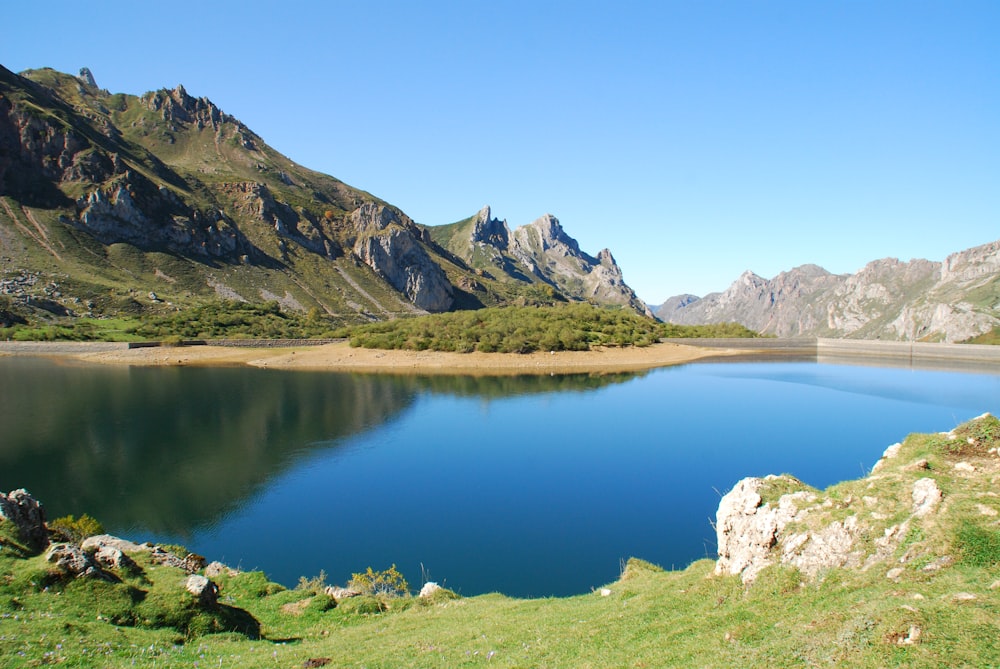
(694, 139)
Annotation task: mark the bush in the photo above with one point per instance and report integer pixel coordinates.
(387, 582)
(73, 529)
(561, 327)
(316, 584)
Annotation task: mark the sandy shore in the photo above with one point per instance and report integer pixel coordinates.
(341, 357)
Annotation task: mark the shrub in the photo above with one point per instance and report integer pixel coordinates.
(387, 582)
(561, 327)
(73, 529)
(316, 584)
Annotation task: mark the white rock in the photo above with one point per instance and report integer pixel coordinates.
(205, 590)
(430, 587)
(912, 637)
(926, 496)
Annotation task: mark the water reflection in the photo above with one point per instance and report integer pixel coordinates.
(530, 486)
(171, 450)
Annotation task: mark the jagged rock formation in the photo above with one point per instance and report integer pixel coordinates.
(392, 247)
(540, 251)
(871, 523)
(213, 211)
(887, 299)
(27, 515)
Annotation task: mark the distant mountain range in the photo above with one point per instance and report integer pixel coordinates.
(114, 203)
(920, 300)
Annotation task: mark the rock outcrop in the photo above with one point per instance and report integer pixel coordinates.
(886, 299)
(550, 254)
(541, 252)
(27, 515)
(132, 210)
(74, 562)
(204, 590)
(873, 522)
(490, 231)
(394, 248)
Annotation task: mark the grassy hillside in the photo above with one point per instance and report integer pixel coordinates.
(937, 606)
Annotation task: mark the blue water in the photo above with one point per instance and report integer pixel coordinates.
(516, 486)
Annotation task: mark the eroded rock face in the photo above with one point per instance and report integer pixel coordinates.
(810, 533)
(27, 514)
(392, 247)
(544, 248)
(747, 530)
(886, 299)
(490, 231)
(131, 209)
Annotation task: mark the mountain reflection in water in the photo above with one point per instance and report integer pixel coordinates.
(169, 450)
(530, 486)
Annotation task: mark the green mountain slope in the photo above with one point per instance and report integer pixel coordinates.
(114, 203)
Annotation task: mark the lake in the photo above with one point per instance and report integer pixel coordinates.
(530, 486)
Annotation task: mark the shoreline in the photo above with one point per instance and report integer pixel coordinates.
(340, 357)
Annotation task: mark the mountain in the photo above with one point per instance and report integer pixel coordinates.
(539, 251)
(951, 301)
(114, 203)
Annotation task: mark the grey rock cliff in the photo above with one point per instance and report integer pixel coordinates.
(490, 231)
(27, 515)
(392, 247)
(886, 299)
(546, 251)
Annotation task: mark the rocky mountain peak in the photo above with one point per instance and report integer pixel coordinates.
(370, 218)
(886, 299)
(87, 77)
(550, 233)
(972, 264)
(488, 230)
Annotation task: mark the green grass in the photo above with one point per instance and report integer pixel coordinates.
(992, 338)
(648, 618)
